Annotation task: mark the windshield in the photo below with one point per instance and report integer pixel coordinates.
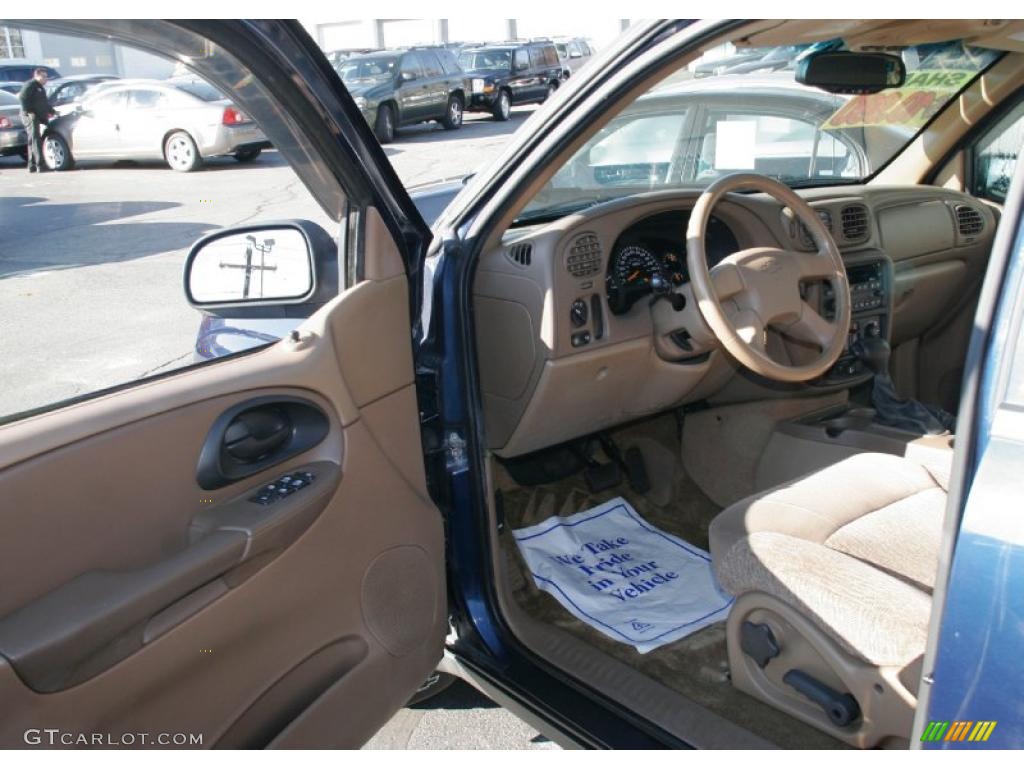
(377, 69)
(738, 110)
(486, 60)
(8, 99)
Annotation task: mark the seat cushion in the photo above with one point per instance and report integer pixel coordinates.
(854, 547)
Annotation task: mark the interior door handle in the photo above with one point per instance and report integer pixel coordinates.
(257, 433)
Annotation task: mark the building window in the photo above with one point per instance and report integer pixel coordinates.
(52, 62)
(78, 61)
(103, 60)
(11, 45)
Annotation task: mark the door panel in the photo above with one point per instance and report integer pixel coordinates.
(144, 123)
(346, 605)
(96, 131)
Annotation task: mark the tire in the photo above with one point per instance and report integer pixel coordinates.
(384, 127)
(502, 109)
(247, 155)
(57, 153)
(552, 87)
(433, 685)
(453, 113)
(181, 153)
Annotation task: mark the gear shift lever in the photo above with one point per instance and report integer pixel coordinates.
(874, 352)
(890, 408)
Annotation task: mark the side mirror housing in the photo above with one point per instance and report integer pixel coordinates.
(276, 269)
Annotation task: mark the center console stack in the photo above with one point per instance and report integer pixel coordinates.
(870, 277)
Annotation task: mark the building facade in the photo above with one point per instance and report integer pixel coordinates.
(79, 55)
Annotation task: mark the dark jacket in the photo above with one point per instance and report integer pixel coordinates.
(35, 102)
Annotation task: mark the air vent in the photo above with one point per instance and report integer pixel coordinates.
(521, 253)
(584, 258)
(969, 221)
(855, 223)
(826, 218)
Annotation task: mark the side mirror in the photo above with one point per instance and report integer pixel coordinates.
(268, 270)
(406, 77)
(851, 71)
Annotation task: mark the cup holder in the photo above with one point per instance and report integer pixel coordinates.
(858, 422)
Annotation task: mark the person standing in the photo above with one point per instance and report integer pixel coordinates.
(35, 112)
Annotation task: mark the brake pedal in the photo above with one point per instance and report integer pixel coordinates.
(632, 464)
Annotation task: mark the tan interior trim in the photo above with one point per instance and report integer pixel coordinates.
(381, 257)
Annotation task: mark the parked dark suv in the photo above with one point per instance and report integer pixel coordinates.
(401, 87)
(504, 74)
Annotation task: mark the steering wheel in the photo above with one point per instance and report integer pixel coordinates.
(759, 288)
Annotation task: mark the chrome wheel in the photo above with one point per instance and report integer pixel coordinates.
(181, 152)
(455, 112)
(54, 153)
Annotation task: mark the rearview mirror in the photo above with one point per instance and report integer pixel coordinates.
(851, 71)
(261, 271)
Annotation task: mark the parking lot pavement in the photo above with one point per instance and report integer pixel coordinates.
(458, 718)
(427, 152)
(91, 259)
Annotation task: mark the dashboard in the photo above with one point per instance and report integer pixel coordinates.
(565, 320)
(650, 257)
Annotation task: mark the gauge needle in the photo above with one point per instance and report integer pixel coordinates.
(632, 276)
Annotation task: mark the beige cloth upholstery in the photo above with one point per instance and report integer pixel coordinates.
(853, 547)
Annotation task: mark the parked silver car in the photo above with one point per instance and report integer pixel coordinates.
(64, 92)
(181, 121)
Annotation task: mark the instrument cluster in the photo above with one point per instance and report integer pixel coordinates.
(650, 257)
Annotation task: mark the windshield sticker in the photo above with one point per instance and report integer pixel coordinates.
(735, 144)
(922, 95)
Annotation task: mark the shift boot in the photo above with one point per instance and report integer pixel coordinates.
(890, 408)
